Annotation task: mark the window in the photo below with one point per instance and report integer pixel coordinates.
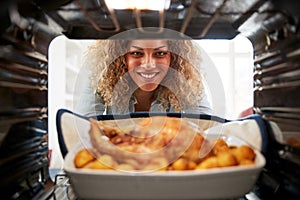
(234, 62)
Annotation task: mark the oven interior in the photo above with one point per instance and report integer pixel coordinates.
(28, 27)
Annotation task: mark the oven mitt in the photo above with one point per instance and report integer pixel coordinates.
(252, 130)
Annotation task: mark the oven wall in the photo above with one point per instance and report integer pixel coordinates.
(24, 152)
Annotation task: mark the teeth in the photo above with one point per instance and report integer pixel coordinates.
(148, 75)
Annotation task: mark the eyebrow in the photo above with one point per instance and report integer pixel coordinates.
(140, 48)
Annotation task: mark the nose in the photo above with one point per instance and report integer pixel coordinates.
(148, 61)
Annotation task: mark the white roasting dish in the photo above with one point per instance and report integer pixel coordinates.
(217, 183)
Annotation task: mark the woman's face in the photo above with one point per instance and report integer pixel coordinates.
(148, 62)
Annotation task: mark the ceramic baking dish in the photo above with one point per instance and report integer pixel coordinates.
(218, 183)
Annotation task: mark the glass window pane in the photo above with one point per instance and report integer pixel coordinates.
(215, 46)
(243, 83)
(242, 45)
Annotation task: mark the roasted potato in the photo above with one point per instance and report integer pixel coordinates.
(82, 158)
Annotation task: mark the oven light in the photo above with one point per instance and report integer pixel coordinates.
(138, 4)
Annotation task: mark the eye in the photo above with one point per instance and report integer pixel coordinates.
(136, 53)
(161, 53)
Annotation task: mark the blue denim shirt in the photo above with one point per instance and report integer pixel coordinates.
(90, 105)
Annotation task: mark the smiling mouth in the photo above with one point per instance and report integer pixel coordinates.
(148, 76)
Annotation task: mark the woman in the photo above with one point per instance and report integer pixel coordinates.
(143, 76)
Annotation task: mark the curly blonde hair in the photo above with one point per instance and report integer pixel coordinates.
(182, 87)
